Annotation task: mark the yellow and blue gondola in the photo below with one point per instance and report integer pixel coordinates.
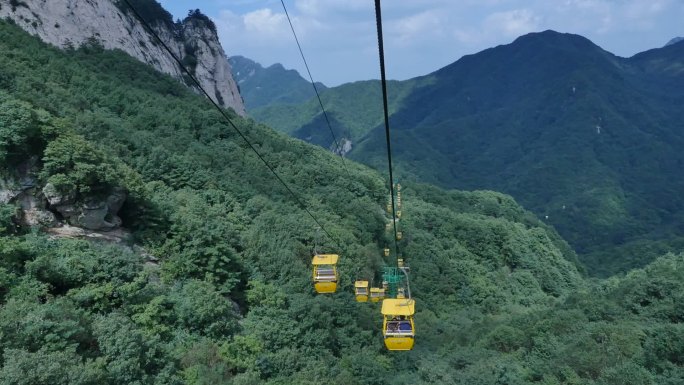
(325, 274)
(361, 291)
(398, 328)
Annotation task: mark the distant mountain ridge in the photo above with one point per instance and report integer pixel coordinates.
(584, 138)
(263, 86)
(674, 40)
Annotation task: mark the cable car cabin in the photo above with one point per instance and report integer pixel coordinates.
(325, 273)
(377, 294)
(398, 213)
(398, 328)
(361, 291)
(399, 235)
(389, 208)
(387, 252)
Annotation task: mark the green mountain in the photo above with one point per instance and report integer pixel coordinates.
(351, 108)
(675, 40)
(227, 292)
(583, 138)
(214, 285)
(261, 86)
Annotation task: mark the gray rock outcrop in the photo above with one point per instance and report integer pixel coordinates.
(92, 213)
(22, 190)
(89, 218)
(33, 212)
(70, 23)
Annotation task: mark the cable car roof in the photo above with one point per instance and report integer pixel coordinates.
(325, 259)
(361, 284)
(393, 306)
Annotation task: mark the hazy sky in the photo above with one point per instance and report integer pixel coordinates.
(421, 36)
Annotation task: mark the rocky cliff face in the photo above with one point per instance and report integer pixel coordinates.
(70, 23)
(39, 204)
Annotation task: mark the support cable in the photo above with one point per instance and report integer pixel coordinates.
(383, 82)
(313, 84)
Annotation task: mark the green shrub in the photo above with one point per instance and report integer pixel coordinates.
(74, 165)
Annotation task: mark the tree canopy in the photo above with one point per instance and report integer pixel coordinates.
(216, 287)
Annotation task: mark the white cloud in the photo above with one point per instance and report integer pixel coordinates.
(416, 28)
(583, 16)
(643, 15)
(637, 9)
(512, 23)
(465, 36)
(328, 7)
(338, 36)
(265, 23)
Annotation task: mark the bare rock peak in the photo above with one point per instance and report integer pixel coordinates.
(109, 22)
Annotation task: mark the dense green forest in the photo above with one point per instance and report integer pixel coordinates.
(588, 139)
(214, 285)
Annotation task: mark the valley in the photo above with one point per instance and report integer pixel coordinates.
(588, 140)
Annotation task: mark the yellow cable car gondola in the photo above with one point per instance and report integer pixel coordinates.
(399, 235)
(398, 328)
(377, 294)
(387, 252)
(398, 213)
(361, 291)
(325, 272)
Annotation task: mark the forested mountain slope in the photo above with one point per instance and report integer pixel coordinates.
(216, 288)
(112, 24)
(571, 131)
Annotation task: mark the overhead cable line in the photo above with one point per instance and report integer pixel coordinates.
(313, 84)
(230, 121)
(383, 82)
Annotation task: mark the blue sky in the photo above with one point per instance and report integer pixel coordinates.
(421, 36)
